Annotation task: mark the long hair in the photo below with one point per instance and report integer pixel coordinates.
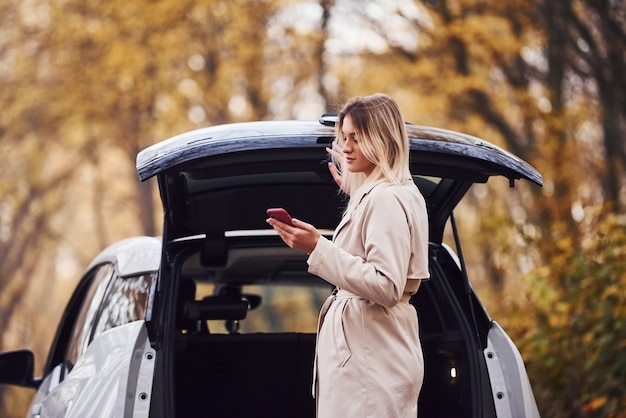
(379, 124)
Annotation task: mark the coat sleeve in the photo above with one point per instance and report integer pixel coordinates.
(381, 275)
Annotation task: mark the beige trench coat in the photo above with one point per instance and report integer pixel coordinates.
(369, 360)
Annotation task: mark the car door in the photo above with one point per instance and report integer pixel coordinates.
(101, 362)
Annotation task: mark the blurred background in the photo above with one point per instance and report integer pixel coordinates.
(86, 84)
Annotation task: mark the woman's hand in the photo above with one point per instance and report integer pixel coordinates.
(301, 236)
(331, 166)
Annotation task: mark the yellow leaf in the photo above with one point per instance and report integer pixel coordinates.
(595, 404)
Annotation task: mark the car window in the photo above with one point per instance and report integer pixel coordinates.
(286, 308)
(126, 301)
(283, 308)
(83, 326)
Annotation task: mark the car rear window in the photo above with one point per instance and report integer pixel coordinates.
(283, 308)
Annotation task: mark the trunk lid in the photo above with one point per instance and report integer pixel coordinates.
(223, 178)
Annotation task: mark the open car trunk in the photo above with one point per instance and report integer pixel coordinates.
(265, 373)
(234, 318)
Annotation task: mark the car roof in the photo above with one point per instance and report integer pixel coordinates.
(222, 178)
(132, 256)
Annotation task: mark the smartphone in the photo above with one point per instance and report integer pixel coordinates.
(280, 214)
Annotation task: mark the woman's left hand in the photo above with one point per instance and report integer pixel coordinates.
(337, 156)
(301, 236)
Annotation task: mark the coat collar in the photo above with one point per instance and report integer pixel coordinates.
(359, 195)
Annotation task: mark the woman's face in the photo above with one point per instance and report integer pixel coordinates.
(355, 160)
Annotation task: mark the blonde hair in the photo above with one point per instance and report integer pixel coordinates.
(379, 124)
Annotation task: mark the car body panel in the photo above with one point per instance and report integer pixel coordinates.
(112, 378)
(512, 394)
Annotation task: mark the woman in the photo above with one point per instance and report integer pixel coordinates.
(369, 358)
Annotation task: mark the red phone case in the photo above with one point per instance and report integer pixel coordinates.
(280, 214)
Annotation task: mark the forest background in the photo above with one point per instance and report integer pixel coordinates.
(86, 84)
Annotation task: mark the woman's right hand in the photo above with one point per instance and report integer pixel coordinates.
(300, 235)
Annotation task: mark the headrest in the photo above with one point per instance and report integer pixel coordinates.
(217, 307)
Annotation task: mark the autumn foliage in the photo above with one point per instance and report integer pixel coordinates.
(87, 84)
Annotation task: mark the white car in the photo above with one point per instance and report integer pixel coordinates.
(217, 317)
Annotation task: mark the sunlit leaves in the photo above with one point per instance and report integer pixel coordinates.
(87, 84)
(576, 339)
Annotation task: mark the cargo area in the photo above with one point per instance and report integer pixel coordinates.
(270, 374)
